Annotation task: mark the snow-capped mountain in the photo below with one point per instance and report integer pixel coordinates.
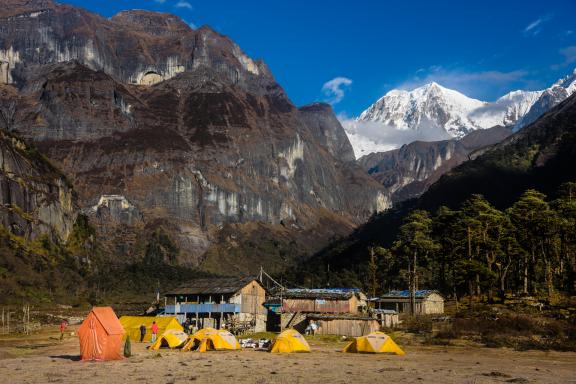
(505, 111)
(433, 112)
(426, 107)
(550, 97)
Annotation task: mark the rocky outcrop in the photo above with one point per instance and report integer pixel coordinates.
(159, 125)
(407, 172)
(35, 199)
(327, 130)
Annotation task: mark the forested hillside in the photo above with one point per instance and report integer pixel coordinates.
(502, 222)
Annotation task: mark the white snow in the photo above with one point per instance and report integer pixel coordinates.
(433, 112)
(429, 104)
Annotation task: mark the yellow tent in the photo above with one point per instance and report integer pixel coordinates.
(208, 339)
(290, 341)
(375, 342)
(171, 339)
(132, 325)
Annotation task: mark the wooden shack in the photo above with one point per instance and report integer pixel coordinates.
(344, 325)
(335, 300)
(344, 309)
(231, 302)
(428, 302)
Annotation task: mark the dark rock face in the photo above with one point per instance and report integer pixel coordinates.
(407, 172)
(327, 130)
(180, 127)
(35, 199)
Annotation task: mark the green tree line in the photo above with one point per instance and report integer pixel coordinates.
(480, 251)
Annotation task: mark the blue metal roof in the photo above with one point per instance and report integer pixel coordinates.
(320, 293)
(323, 290)
(406, 293)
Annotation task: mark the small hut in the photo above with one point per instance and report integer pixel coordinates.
(101, 335)
(343, 324)
(427, 302)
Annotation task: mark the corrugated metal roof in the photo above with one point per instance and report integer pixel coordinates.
(319, 293)
(420, 294)
(329, 316)
(212, 286)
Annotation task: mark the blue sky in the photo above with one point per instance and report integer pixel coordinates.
(352, 52)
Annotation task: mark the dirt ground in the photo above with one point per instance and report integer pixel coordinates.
(42, 358)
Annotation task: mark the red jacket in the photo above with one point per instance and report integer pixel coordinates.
(154, 328)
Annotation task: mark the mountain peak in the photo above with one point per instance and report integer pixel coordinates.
(154, 22)
(433, 84)
(432, 108)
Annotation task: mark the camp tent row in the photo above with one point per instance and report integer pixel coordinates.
(289, 341)
(101, 336)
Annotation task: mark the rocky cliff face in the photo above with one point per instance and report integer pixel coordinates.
(35, 199)
(159, 125)
(407, 172)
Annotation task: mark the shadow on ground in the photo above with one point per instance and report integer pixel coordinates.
(67, 357)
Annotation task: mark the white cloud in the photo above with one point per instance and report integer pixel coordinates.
(183, 4)
(569, 54)
(535, 27)
(335, 89)
(370, 136)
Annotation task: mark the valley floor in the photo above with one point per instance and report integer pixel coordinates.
(42, 358)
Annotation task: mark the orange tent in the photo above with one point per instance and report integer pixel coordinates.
(101, 335)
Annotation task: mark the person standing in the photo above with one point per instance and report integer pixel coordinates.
(63, 326)
(154, 329)
(142, 332)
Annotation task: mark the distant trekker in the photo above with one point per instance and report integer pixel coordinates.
(63, 326)
(142, 332)
(154, 329)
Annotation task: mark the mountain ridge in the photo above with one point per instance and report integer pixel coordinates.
(179, 136)
(539, 156)
(433, 112)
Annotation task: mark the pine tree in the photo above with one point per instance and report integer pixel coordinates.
(533, 220)
(415, 241)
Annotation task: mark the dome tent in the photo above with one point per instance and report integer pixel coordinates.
(375, 342)
(208, 339)
(172, 338)
(290, 341)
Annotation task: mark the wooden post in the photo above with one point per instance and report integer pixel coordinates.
(221, 311)
(254, 305)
